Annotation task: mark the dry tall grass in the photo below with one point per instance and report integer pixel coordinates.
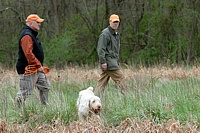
(95, 125)
(80, 75)
(129, 125)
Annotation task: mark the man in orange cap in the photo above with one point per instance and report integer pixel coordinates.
(30, 53)
(108, 53)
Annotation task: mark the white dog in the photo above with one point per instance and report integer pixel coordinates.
(87, 103)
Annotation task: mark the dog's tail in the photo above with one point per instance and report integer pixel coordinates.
(90, 88)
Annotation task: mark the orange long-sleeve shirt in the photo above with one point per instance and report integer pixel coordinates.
(27, 46)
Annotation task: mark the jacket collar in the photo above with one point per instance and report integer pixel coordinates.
(113, 32)
(32, 31)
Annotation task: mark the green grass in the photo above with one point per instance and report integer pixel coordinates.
(149, 98)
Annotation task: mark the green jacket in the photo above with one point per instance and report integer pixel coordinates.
(108, 48)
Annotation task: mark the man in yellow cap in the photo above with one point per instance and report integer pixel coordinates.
(30, 53)
(108, 53)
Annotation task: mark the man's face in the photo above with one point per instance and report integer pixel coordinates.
(35, 25)
(114, 25)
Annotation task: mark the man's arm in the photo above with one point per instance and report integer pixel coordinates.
(101, 49)
(27, 46)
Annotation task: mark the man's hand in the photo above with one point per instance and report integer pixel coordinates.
(104, 66)
(41, 69)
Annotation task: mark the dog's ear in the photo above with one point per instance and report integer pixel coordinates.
(89, 104)
(91, 101)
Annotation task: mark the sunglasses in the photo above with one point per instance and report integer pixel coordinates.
(116, 22)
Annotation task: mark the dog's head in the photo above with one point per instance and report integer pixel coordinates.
(95, 104)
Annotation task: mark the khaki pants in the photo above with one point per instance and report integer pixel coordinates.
(29, 83)
(116, 75)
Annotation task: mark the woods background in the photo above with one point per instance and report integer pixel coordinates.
(152, 31)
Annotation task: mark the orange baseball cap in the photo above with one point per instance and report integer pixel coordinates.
(114, 17)
(34, 17)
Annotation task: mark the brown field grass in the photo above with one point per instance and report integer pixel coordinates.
(80, 75)
(95, 125)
